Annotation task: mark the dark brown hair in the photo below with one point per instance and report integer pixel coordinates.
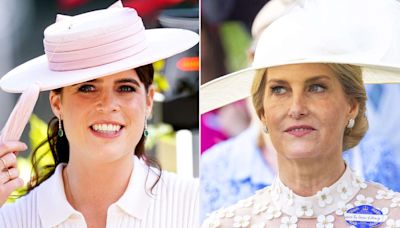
(59, 146)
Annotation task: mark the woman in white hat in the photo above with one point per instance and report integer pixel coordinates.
(307, 88)
(98, 68)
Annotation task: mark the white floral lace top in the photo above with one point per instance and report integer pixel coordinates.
(278, 206)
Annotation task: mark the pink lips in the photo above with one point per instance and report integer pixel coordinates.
(108, 135)
(300, 130)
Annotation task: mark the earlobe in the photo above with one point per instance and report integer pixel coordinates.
(55, 103)
(149, 100)
(354, 108)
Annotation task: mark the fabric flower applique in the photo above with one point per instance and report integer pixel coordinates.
(274, 211)
(324, 198)
(212, 222)
(385, 213)
(225, 213)
(362, 200)
(259, 207)
(275, 193)
(258, 225)
(359, 182)
(384, 194)
(287, 222)
(304, 209)
(395, 202)
(245, 203)
(325, 222)
(241, 221)
(391, 223)
(289, 197)
(344, 190)
(342, 208)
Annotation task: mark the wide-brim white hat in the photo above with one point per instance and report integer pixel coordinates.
(118, 31)
(365, 33)
(85, 47)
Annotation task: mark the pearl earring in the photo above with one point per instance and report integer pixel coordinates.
(351, 123)
(265, 129)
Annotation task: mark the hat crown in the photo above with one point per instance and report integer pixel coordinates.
(93, 39)
(318, 30)
(87, 26)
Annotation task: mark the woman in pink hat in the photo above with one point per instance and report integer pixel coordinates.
(307, 86)
(98, 68)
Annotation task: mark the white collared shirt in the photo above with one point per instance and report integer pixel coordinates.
(174, 203)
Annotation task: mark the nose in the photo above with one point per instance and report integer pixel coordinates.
(107, 102)
(298, 107)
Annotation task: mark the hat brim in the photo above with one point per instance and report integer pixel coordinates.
(161, 44)
(236, 86)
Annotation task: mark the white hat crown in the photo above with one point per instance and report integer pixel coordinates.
(328, 30)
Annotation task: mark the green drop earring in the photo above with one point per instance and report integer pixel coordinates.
(145, 131)
(60, 130)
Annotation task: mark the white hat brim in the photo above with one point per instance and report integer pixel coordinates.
(161, 43)
(237, 85)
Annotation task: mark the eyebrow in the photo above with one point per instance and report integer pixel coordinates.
(314, 78)
(119, 81)
(128, 80)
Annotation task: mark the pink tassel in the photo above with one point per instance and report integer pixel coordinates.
(20, 115)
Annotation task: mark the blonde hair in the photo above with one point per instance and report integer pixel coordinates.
(350, 78)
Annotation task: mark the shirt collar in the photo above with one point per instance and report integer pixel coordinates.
(135, 201)
(322, 203)
(53, 206)
(138, 196)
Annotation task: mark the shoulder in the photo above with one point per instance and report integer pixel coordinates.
(241, 212)
(22, 212)
(28, 210)
(382, 198)
(179, 198)
(171, 181)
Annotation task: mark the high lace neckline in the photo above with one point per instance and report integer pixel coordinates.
(325, 202)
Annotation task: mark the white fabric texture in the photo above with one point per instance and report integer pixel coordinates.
(278, 206)
(173, 204)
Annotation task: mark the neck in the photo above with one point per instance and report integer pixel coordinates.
(306, 177)
(96, 185)
(268, 151)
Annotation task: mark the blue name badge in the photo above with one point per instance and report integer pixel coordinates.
(364, 216)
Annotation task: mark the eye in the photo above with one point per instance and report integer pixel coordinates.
(317, 88)
(86, 88)
(278, 90)
(126, 89)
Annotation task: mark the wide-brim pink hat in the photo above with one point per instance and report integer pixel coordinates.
(364, 33)
(88, 46)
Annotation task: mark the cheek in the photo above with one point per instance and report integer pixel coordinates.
(332, 113)
(274, 111)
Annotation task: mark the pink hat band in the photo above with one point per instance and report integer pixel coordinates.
(78, 50)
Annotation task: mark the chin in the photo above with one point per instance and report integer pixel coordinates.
(299, 151)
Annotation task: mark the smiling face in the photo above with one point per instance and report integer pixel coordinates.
(306, 110)
(104, 118)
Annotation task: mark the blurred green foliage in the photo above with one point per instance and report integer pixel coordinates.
(235, 41)
(160, 82)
